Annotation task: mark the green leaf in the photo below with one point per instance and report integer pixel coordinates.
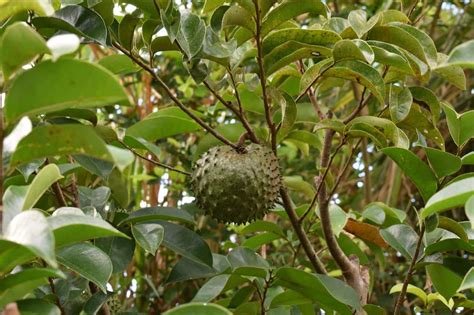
(20, 45)
(245, 257)
(453, 195)
(158, 213)
(358, 21)
(400, 37)
(411, 289)
(191, 35)
(42, 181)
(426, 97)
(70, 228)
(445, 281)
(362, 74)
(164, 123)
(88, 261)
(126, 31)
(238, 16)
(13, 254)
(378, 129)
(462, 55)
(186, 269)
(16, 286)
(468, 159)
(11, 7)
(443, 163)
(211, 5)
(78, 20)
(469, 209)
(258, 240)
(338, 218)
(262, 226)
(353, 49)
(211, 289)
(400, 103)
(468, 281)
(326, 291)
(290, 9)
(451, 73)
(313, 73)
(289, 298)
(186, 243)
(288, 112)
(91, 86)
(61, 140)
(148, 235)
(402, 238)
(120, 251)
(390, 55)
(306, 36)
(30, 229)
(199, 309)
(37, 307)
(415, 169)
(453, 226)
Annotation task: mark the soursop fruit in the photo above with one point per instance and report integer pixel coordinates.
(235, 187)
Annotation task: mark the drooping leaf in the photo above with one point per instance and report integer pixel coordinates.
(126, 31)
(148, 235)
(361, 73)
(91, 86)
(402, 238)
(88, 261)
(453, 195)
(324, 290)
(377, 129)
(211, 289)
(186, 243)
(411, 289)
(20, 45)
(191, 35)
(445, 281)
(78, 20)
(42, 181)
(400, 103)
(290, 9)
(468, 281)
(415, 169)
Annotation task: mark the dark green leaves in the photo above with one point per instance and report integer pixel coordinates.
(191, 36)
(402, 238)
(400, 103)
(415, 169)
(89, 261)
(20, 44)
(443, 163)
(91, 86)
(148, 235)
(158, 213)
(453, 195)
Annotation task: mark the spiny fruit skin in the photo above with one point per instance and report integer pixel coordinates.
(235, 187)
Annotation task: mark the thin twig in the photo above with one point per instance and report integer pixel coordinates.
(173, 97)
(401, 296)
(312, 83)
(153, 161)
(263, 81)
(263, 311)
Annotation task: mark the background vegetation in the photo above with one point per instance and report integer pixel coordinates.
(107, 103)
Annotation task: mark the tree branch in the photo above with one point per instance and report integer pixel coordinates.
(403, 292)
(159, 164)
(263, 80)
(304, 241)
(173, 97)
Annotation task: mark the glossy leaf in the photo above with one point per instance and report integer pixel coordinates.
(191, 36)
(400, 103)
(37, 307)
(361, 73)
(453, 195)
(469, 210)
(411, 289)
(70, 228)
(92, 86)
(31, 229)
(443, 163)
(119, 249)
(415, 169)
(186, 243)
(290, 9)
(20, 45)
(148, 235)
(353, 49)
(10, 7)
(461, 55)
(308, 37)
(324, 290)
(211, 289)
(468, 281)
(402, 238)
(42, 181)
(88, 261)
(164, 123)
(358, 21)
(78, 20)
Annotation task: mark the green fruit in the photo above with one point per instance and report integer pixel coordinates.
(236, 187)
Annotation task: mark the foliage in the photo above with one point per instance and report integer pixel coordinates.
(107, 104)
